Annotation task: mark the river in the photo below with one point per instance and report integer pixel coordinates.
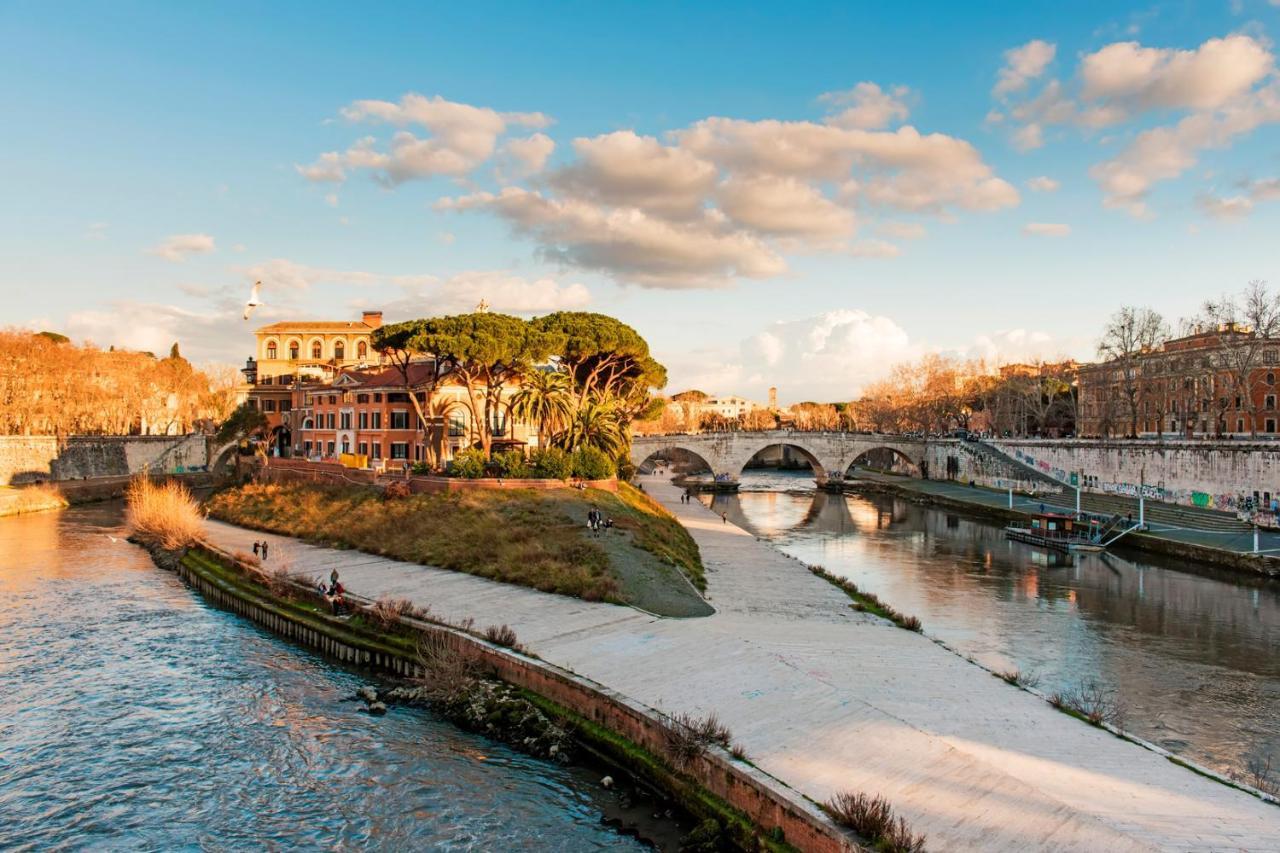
(1193, 655)
(135, 716)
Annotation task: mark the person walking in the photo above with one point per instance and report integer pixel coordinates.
(333, 577)
(255, 547)
(264, 549)
(724, 518)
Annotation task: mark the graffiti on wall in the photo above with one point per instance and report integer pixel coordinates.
(1133, 490)
(1041, 465)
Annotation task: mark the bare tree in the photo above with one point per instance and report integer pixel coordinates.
(1246, 325)
(1130, 333)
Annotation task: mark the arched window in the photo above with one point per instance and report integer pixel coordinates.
(339, 350)
(293, 350)
(271, 351)
(362, 349)
(315, 350)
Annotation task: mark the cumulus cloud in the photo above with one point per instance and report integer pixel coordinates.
(783, 206)
(867, 107)
(628, 242)
(1022, 65)
(531, 152)
(1046, 229)
(216, 334)
(1014, 346)
(461, 137)
(179, 247)
(624, 169)
(1223, 88)
(1043, 184)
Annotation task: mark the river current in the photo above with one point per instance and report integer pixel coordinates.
(134, 716)
(1193, 655)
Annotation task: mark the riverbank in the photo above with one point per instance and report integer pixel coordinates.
(987, 503)
(828, 699)
(41, 497)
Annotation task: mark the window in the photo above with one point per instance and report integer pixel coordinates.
(333, 400)
(268, 405)
(499, 423)
(346, 444)
(364, 448)
(1269, 402)
(1239, 424)
(399, 420)
(345, 420)
(377, 450)
(330, 453)
(399, 450)
(1271, 379)
(397, 398)
(293, 350)
(1271, 424)
(362, 350)
(308, 424)
(271, 350)
(328, 420)
(285, 405)
(377, 420)
(315, 350)
(251, 403)
(265, 380)
(339, 350)
(457, 424)
(1269, 356)
(306, 448)
(363, 420)
(377, 398)
(362, 398)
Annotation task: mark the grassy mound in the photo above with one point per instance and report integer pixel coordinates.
(532, 538)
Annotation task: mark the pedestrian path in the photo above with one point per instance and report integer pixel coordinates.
(828, 699)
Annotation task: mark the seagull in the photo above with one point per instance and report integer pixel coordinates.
(112, 538)
(254, 299)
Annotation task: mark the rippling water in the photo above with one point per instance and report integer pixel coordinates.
(133, 716)
(1193, 655)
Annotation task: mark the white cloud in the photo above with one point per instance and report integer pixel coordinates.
(629, 243)
(625, 169)
(873, 248)
(868, 107)
(902, 230)
(461, 137)
(783, 206)
(1022, 65)
(179, 247)
(1043, 184)
(1046, 229)
(205, 334)
(531, 152)
(1242, 204)
(1143, 78)
(1014, 346)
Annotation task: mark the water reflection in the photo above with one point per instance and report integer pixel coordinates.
(133, 716)
(1192, 653)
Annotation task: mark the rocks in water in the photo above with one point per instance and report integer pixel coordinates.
(376, 708)
(367, 693)
(607, 782)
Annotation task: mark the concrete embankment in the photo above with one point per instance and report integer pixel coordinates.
(15, 500)
(755, 810)
(987, 503)
(827, 699)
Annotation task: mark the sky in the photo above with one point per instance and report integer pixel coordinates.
(798, 195)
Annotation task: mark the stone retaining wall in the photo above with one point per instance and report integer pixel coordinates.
(766, 801)
(38, 458)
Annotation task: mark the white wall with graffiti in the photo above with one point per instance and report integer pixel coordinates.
(1231, 476)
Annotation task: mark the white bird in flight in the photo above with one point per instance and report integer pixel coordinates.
(254, 299)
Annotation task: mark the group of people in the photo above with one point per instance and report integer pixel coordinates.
(260, 549)
(333, 593)
(597, 522)
(686, 497)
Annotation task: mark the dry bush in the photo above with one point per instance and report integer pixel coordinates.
(1019, 678)
(872, 818)
(502, 635)
(386, 611)
(449, 674)
(164, 515)
(395, 490)
(247, 559)
(688, 736)
(39, 497)
(1258, 773)
(1092, 701)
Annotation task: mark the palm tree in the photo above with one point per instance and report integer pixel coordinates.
(546, 399)
(597, 423)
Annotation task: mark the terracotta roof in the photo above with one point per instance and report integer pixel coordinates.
(304, 326)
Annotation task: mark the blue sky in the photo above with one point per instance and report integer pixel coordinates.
(674, 164)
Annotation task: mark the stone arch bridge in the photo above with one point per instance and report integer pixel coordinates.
(830, 454)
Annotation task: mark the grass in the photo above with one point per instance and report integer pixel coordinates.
(528, 537)
(868, 602)
(873, 819)
(687, 736)
(163, 515)
(1018, 678)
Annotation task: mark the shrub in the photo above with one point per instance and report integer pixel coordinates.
(688, 736)
(502, 635)
(626, 469)
(591, 463)
(162, 514)
(386, 611)
(1092, 702)
(552, 463)
(395, 490)
(421, 468)
(872, 818)
(468, 464)
(511, 464)
(1019, 678)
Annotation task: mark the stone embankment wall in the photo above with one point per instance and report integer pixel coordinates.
(299, 471)
(767, 802)
(30, 459)
(983, 469)
(1232, 476)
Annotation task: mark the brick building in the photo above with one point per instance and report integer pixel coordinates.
(1184, 388)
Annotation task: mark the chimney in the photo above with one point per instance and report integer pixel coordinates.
(372, 319)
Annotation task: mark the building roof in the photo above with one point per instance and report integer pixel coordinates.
(303, 326)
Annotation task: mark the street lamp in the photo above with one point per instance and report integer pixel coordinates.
(250, 371)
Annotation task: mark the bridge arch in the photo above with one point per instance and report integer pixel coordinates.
(885, 458)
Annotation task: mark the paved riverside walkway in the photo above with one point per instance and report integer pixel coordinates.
(828, 699)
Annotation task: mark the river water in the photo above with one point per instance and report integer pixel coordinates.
(134, 716)
(1193, 655)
